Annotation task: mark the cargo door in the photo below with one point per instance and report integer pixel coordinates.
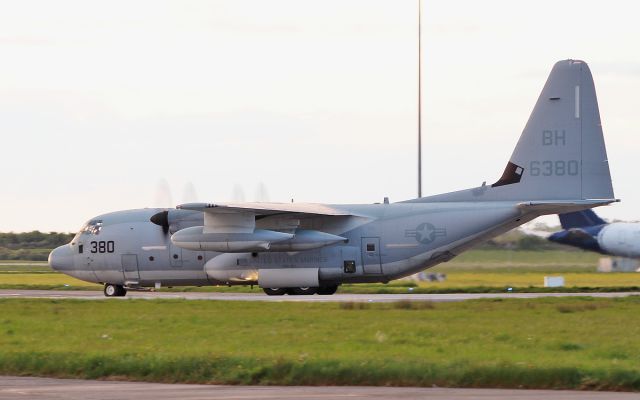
(371, 262)
(130, 268)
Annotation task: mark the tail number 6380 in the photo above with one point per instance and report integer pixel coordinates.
(557, 168)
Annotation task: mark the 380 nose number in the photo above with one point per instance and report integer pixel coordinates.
(102, 246)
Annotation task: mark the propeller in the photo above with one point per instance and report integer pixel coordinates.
(161, 219)
(163, 194)
(164, 199)
(237, 196)
(262, 195)
(189, 194)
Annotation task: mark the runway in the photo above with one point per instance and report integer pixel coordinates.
(20, 388)
(374, 298)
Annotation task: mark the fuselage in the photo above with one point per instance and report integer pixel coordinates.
(621, 239)
(382, 242)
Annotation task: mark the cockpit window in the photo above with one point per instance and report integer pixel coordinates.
(92, 227)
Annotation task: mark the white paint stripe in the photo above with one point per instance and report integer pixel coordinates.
(147, 248)
(578, 101)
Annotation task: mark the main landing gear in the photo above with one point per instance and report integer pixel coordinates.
(301, 291)
(111, 290)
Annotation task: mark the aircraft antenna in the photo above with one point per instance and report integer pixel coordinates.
(419, 98)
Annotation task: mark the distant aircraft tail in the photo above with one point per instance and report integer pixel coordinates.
(580, 219)
(561, 156)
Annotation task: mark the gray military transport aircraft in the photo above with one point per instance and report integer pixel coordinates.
(559, 165)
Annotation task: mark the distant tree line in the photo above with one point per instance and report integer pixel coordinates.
(34, 240)
(34, 246)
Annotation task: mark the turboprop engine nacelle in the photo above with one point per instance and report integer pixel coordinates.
(259, 240)
(227, 268)
(195, 239)
(233, 268)
(307, 240)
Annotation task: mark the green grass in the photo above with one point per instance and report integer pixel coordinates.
(18, 267)
(525, 279)
(518, 261)
(43, 280)
(544, 343)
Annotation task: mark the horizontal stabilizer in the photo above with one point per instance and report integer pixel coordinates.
(560, 207)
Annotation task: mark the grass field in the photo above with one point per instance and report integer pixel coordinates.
(7, 266)
(546, 343)
(517, 261)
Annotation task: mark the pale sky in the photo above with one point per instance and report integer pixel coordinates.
(104, 104)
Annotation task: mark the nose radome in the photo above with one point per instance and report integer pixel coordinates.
(61, 258)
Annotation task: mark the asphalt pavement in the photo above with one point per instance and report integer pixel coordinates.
(22, 388)
(258, 296)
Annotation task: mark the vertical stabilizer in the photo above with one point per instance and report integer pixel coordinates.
(580, 219)
(561, 153)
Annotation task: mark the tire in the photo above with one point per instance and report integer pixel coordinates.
(274, 291)
(111, 290)
(301, 291)
(327, 290)
(121, 291)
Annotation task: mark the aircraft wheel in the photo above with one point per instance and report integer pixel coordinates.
(111, 290)
(274, 291)
(327, 290)
(301, 291)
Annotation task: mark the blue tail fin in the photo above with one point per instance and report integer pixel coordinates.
(580, 219)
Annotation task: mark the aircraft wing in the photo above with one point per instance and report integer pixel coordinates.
(242, 217)
(264, 209)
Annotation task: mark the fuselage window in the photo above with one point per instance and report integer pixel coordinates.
(349, 266)
(80, 248)
(175, 256)
(371, 247)
(151, 258)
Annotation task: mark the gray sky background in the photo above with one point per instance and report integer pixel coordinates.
(104, 104)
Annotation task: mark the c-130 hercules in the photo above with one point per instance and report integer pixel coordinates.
(559, 165)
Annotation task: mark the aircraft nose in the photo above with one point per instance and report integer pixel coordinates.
(61, 258)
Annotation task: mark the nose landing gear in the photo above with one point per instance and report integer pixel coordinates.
(111, 290)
